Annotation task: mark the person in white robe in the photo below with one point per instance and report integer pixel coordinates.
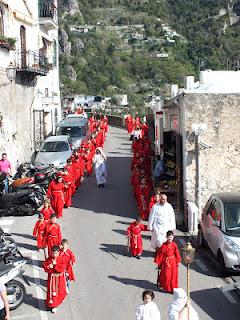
(148, 310)
(161, 220)
(100, 167)
(180, 308)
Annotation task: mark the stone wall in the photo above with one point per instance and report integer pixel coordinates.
(16, 125)
(220, 164)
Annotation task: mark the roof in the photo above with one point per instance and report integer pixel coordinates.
(221, 82)
(228, 196)
(72, 122)
(57, 138)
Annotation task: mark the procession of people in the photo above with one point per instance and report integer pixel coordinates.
(59, 259)
(154, 208)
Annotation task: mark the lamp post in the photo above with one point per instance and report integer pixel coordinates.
(11, 72)
(188, 258)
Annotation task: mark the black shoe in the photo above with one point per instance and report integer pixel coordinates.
(138, 257)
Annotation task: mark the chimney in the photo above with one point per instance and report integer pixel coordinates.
(189, 82)
(174, 90)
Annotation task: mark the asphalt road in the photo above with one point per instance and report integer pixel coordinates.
(110, 283)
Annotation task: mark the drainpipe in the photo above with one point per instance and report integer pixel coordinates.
(198, 174)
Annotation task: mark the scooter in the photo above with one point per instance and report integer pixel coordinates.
(24, 202)
(15, 289)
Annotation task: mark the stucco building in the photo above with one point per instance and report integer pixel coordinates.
(30, 103)
(200, 134)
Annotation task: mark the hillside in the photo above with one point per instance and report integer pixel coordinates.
(136, 46)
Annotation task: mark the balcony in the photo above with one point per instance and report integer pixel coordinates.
(48, 14)
(32, 63)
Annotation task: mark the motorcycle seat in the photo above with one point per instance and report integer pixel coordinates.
(5, 269)
(12, 197)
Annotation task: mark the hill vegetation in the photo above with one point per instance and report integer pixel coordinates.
(136, 46)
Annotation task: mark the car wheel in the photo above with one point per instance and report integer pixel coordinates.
(201, 240)
(221, 264)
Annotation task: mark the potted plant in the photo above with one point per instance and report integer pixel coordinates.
(7, 42)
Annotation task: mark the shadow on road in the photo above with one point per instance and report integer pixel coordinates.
(24, 235)
(204, 299)
(122, 250)
(116, 198)
(144, 284)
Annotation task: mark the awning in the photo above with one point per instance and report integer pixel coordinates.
(22, 17)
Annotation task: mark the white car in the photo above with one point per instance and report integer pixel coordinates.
(55, 150)
(220, 230)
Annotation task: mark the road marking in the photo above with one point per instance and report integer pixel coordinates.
(201, 265)
(229, 296)
(25, 316)
(36, 276)
(6, 222)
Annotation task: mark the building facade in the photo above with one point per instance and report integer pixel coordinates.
(201, 142)
(28, 44)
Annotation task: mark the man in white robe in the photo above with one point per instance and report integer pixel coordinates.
(161, 220)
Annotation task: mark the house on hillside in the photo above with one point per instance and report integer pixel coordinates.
(199, 128)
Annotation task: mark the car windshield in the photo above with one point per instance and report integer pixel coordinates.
(55, 146)
(232, 218)
(72, 132)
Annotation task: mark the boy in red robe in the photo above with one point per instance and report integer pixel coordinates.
(53, 233)
(68, 192)
(135, 237)
(39, 232)
(168, 259)
(69, 259)
(55, 266)
(143, 194)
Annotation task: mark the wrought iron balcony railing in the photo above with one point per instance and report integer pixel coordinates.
(47, 9)
(32, 62)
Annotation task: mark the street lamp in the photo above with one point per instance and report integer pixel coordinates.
(188, 257)
(11, 72)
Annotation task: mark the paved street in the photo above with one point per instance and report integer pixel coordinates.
(109, 283)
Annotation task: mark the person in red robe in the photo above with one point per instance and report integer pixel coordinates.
(46, 211)
(168, 259)
(88, 162)
(71, 173)
(69, 259)
(39, 232)
(53, 233)
(154, 199)
(135, 237)
(143, 194)
(55, 266)
(128, 123)
(56, 194)
(68, 181)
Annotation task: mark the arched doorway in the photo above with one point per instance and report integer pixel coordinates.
(23, 46)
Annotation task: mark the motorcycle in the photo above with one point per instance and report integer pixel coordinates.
(23, 202)
(15, 289)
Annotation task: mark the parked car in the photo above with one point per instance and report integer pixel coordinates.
(74, 126)
(55, 150)
(220, 230)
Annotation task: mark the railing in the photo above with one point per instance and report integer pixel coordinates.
(32, 61)
(116, 121)
(47, 9)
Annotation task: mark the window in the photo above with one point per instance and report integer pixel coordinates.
(55, 53)
(1, 21)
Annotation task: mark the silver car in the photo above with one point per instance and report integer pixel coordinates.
(55, 150)
(220, 230)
